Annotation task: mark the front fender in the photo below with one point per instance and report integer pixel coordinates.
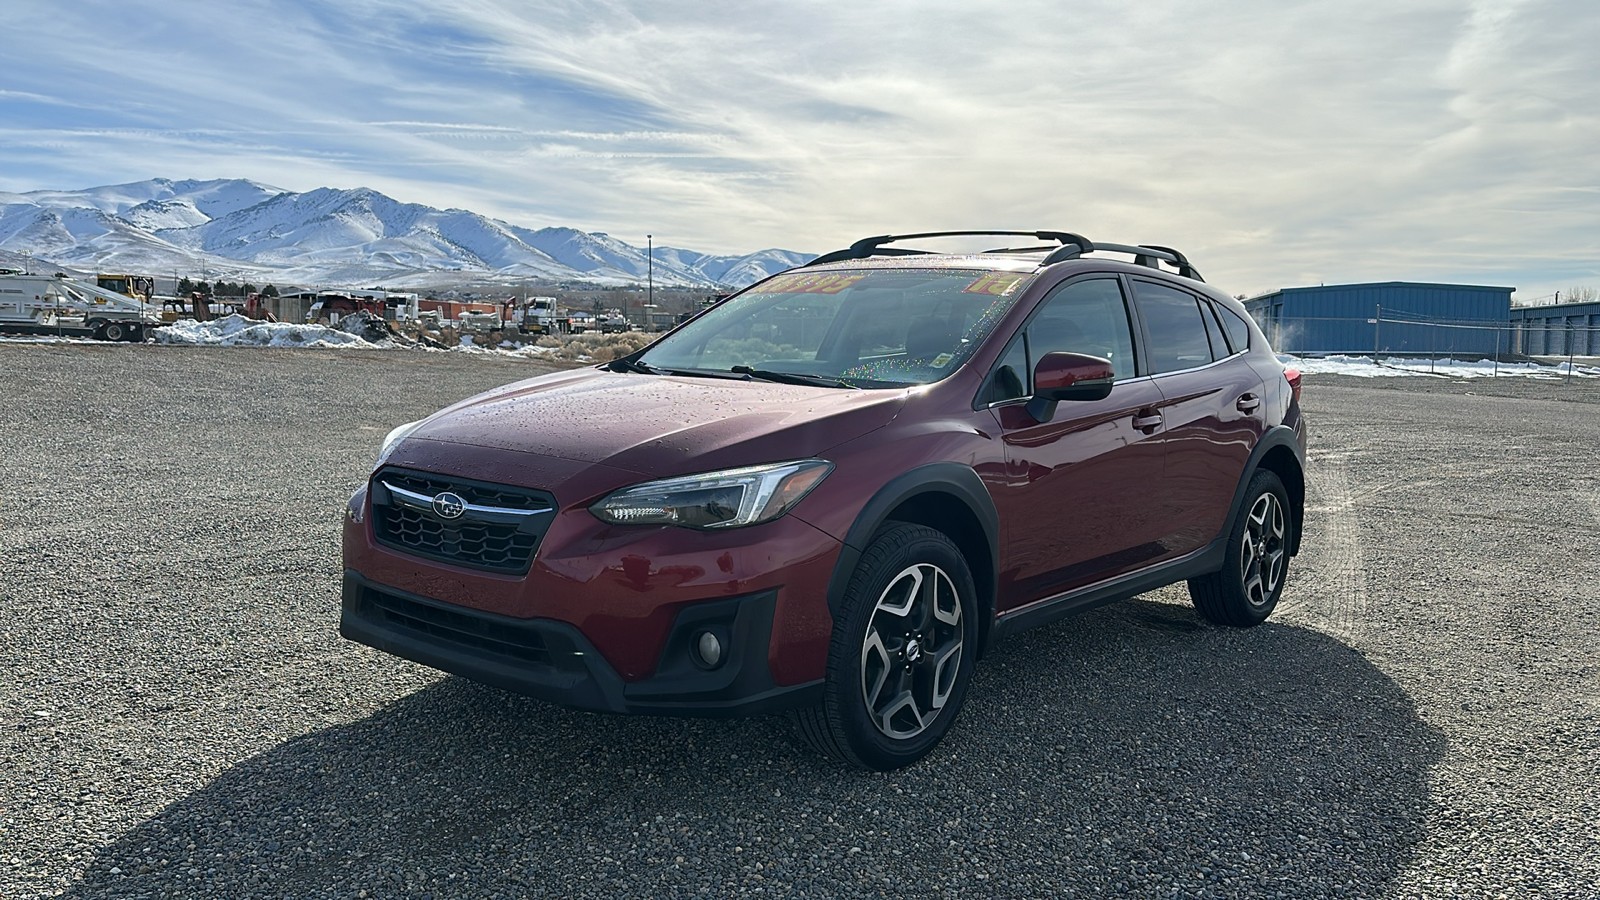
(943, 483)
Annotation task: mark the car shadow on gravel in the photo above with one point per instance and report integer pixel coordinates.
(1132, 749)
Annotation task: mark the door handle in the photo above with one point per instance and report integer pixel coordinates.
(1147, 422)
(1248, 403)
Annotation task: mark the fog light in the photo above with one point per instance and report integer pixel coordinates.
(709, 649)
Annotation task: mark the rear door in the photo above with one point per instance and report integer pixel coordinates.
(1211, 408)
(1075, 500)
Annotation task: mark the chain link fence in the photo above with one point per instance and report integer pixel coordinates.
(1389, 334)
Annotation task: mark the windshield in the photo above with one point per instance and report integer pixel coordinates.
(866, 328)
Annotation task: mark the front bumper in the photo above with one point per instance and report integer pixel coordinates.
(553, 661)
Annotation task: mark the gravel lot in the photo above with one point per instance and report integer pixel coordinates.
(178, 717)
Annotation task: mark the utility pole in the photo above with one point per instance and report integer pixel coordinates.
(1572, 341)
(1377, 322)
(650, 277)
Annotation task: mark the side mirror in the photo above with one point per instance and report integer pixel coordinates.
(1068, 376)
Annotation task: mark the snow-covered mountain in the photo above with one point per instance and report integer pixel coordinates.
(327, 236)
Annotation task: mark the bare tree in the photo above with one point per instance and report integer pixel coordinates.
(1580, 295)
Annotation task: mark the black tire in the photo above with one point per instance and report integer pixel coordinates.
(892, 694)
(1247, 588)
(113, 331)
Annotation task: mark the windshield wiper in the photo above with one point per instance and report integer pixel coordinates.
(793, 378)
(623, 364)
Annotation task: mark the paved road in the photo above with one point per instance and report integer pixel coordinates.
(179, 719)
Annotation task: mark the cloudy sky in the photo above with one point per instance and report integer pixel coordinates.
(1278, 143)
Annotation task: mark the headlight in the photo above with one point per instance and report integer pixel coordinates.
(392, 440)
(726, 499)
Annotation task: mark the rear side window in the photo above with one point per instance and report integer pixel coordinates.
(1238, 331)
(1176, 332)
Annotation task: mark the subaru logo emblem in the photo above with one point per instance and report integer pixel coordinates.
(449, 505)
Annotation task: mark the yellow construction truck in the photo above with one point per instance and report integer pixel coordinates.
(139, 287)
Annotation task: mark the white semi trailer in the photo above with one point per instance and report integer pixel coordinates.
(540, 315)
(56, 304)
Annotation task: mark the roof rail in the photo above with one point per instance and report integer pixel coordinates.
(873, 246)
(1072, 246)
(1148, 255)
(1185, 268)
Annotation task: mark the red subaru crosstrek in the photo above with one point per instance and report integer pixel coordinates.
(830, 491)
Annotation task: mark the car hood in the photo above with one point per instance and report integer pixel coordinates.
(661, 425)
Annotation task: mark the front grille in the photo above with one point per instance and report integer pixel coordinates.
(489, 535)
(458, 628)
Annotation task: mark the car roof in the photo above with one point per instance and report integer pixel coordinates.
(1061, 246)
(985, 261)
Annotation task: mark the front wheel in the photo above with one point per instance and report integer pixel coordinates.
(902, 652)
(1247, 588)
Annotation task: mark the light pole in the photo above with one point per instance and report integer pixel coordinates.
(650, 274)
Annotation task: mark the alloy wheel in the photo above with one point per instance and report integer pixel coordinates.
(1262, 552)
(912, 651)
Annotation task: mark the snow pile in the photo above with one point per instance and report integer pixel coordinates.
(507, 349)
(529, 349)
(537, 351)
(1365, 367)
(238, 331)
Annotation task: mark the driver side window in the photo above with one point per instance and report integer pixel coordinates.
(1088, 317)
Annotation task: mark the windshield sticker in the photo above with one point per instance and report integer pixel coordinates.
(806, 284)
(942, 360)
(996, 284)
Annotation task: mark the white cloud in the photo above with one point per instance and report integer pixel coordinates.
(1277, 143)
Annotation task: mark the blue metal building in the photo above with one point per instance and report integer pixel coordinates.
(1391, 317)
(1559, 330)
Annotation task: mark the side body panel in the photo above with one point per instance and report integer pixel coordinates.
(1075, 502)
(1208, 438)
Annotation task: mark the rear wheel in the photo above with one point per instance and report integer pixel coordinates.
(114, 331)
(1246, 590)
(901, 654)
